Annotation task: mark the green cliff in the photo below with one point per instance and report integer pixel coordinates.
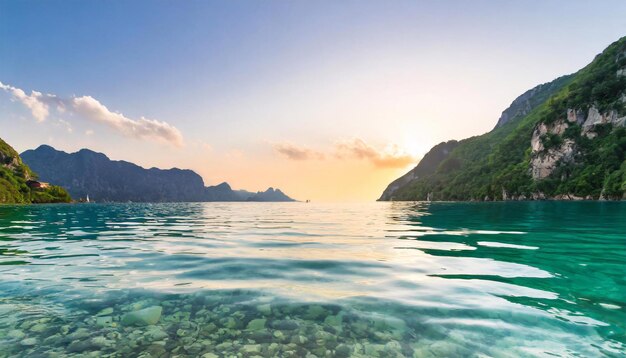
(564, 140)
(18, 183)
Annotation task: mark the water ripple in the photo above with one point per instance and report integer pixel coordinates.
(541, 272)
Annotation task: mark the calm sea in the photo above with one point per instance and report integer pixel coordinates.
(313, 280)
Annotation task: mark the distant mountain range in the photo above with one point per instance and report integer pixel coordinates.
(565, 139)
(88, 173)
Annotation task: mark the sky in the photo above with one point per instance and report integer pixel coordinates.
(326, 100)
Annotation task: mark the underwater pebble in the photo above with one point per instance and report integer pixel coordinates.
(104, 321)
(101, 341)
(65, 329)
(285, 325)
(28, 342)
(37, 328)
(256, 324)
(143, 317)
(265, 309)
(315, 311)
(16, 334)
(105, 312)
(342, 351)
(252, 348)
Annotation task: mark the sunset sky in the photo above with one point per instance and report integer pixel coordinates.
(327, 100)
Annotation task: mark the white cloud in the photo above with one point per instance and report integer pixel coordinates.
(392, 156)
(89, 108)
(67, 125)
(296, 152)
(142, 128)
(34, 101)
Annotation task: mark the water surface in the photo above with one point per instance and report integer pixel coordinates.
(323, 280)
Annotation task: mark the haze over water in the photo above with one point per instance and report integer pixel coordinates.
(336, 280)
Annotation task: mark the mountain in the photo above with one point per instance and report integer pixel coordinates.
(88, 173)
(18, 183)
(270, 194)
(425, 167)
(561, 140)
(529, 100)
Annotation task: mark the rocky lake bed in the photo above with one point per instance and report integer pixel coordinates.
(209, 325)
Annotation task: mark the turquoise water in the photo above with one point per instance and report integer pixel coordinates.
(313, 280)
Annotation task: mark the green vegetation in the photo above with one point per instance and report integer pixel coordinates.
(13, 181)
(485, 166)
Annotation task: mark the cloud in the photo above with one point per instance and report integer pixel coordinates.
(34, 101)
(142, 128)
(67, 125)
(391, 157)
(295, 152)
(201, 145)
(91, 109)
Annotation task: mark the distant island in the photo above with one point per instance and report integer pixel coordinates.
(562, 140)
(90, 174)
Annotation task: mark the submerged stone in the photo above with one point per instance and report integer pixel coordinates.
(224, 346)
(315, 311)
(265, 309)
(252, 348)
(144, 317)
(65, 329)
(334, 321)
(285, 325)
(104, 321)
(279, 335)
(101, 342)
(373, 350)
(230, 323)
(80, 346)
(256, 324)
(39, 327)
(393, 346)
(105, 312)
(262, 336)
(16, 334)
(155, 334)
(28, 342)
(80, 333)
(342, 351)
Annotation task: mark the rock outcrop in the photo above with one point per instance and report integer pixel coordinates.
(544, 160)
(594, 118)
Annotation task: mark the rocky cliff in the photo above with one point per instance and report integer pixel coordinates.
(88, 173)
(529, 100)
(562, 140)
(552, 146)
(18, 182)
